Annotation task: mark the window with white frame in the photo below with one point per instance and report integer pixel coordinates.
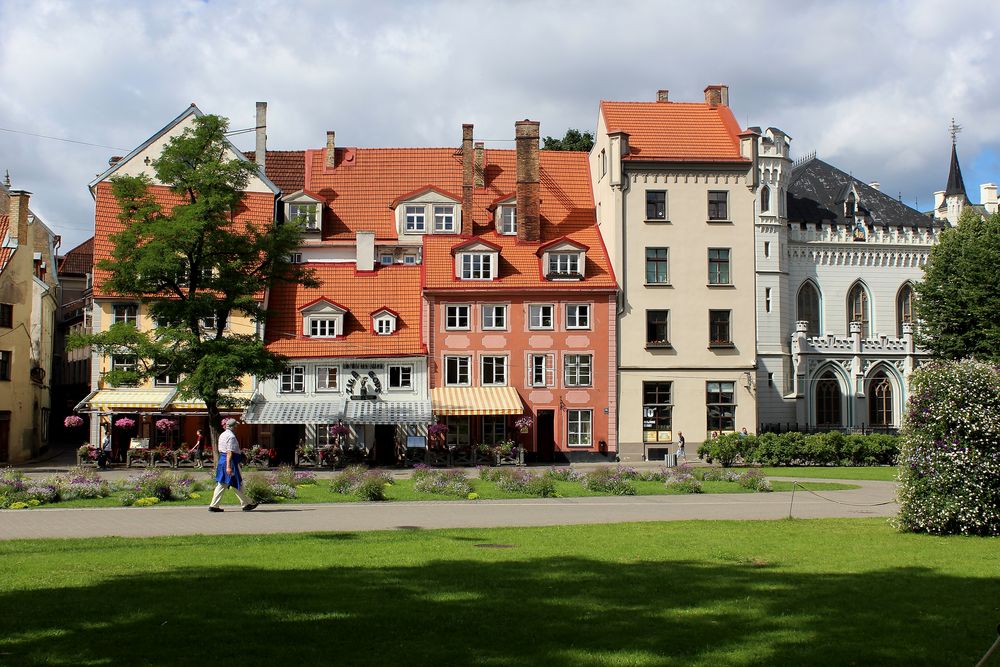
(578, 316)
(414, 221)
(385, 260)
(400, 377)
(323, 327)
(409, 259)
(209, 323)
(477, 266)
(127, 313)
(444, 218)
(541, 370)
(493, 371)
(494, 317)
(564, 264)
(293, 380)
(579, 428)
(494, 429)
(507, 220)
(540, 316)
(295, 258)
(308, 214)
(328, 378)
(456, 317)
(385, 324)
(325, 437)
(165, 380)
(578, 370)
(123, 362)
(456, 371)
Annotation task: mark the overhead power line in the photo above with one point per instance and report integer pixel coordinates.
(68, 141)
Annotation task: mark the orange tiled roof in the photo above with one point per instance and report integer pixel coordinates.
(258, 209)
(78, 260)
(5, 253)
(366, 181)
(675, 131)
(396, 287)
(286, 169)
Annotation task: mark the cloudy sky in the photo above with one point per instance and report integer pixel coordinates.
(870, 86)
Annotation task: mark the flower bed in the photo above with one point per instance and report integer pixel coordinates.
(616, 480)
(16, 489)
(445, 482)
(520, 481)
(359, 481)
(159, 484)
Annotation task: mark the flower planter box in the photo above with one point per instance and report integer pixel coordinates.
(307, 458)
(512, 459)
(162, 459)
(88, 459)
(143, 457)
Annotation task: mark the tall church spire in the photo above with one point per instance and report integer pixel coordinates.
(956, 186)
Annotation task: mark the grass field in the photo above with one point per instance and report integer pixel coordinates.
(803, 592)
(876, 473)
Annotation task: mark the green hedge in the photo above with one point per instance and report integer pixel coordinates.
(793, 448)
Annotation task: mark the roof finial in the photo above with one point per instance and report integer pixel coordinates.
(954, 129)
(6, 178)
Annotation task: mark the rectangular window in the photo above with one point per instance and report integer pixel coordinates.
(444, 219)
(458, 431)
(578, 316)
(295, 258)
(564, 264)
(327, 378)
(508, 220)
(718, 266)
(657, 328)
(293, 380)
(415, 219)
(540, 316)
(718, 205)
(325, 436)
(494, 429)
(165, 380)
(767, 248)
(456, 317)
(541, 370)
(385, 326)
(6, 315)
(494, 317)
(5, 364)
(123, 362)
(767, 299)
(127, 313)
(721, 404)
(385, 260)
(718, 327)
(307, 214)
(657, 412)
(322, 327)
(409, 259)
(656, 205)
(578, 428)
(578, 370)
(400, 377)
(657, 266)
(456, 371)
(493, 371)
(477, 266)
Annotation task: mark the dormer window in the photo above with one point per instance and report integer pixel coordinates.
(564, 263)
(415, 220)
(477, 266)
(507, 220)
(306, 208)
(323, 318)
(563, 259)
(850, 206)
(444, 219)
(323, 327)
(428, 210)
(384, 322)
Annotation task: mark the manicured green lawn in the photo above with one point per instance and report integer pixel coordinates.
(878, 473)
(803, 592)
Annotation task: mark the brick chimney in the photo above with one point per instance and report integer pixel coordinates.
(717, 95)
(480, 167)
(468, 178)
(261, 130)
(19, 215)
(528, 190)
(331, 146)
(663, 96)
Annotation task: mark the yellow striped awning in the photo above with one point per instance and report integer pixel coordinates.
(476, 401)
(107, 400)
(197, 404)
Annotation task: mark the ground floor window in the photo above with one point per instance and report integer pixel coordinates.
(880, 401)
(720, 401)
(458, 431)
(494, 429)
(657, 412)
(828, 400)
(579, 431)
(325, 436)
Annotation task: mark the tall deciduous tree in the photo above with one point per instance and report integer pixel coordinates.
(195, 265)
(574, 140)
(958, 301)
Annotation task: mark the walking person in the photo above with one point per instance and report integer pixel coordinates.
(681, 454)
(227, 472)
(197, 452)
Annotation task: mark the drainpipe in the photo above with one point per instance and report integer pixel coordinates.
(621, 309)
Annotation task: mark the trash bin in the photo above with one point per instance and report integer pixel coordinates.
(671, 460)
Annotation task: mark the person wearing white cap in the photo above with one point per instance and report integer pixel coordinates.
(227, 472)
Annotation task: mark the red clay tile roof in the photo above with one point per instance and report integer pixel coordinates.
(286, 169)
(5, 253)
(258, 208)
(79, 260)
(676, 131)
(396, 286)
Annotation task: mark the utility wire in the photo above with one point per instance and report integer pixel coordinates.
(69, 141)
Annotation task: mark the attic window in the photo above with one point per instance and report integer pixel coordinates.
(323, 327)
(444, 218)
(507, 220)
(564, 265)
(415, 219)
(384, 323)
(476, 265)
(850, 206)
(308, 214)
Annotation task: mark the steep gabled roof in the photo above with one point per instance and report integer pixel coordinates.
(5, 253)
(286, 169)
(79, 260)
(956, 186)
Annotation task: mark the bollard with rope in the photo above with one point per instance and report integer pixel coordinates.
(796, 483)
(996, 645)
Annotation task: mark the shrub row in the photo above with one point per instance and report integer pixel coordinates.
(817, 449)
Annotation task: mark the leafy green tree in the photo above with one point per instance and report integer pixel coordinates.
(958, 300)
(194, 266)
(574, 140)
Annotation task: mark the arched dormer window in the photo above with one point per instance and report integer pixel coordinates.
(850, 206)
(904, 308)
(859, 308)
(809, 307)
(765, 199)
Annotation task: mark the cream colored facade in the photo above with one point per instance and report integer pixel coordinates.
(689, 362)
(28, 283)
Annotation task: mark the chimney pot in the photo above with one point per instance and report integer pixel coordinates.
(468, 178)
(526, 133)
(261, 130)
(663, 95)
(717, 95)
(18, 209)
(331, 149)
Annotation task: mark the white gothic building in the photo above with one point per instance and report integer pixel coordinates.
(836, 261)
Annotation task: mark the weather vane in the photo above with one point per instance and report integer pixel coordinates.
(954, 129)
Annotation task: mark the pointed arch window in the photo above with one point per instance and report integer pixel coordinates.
(904, 308)
(828, 401)
(808, 307)
(880, 401)
(858, 308)
(850, 206)
(765, 199)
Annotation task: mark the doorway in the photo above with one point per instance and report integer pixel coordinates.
(545, 432)
(286, 439)
(385, 444)
(4, 436)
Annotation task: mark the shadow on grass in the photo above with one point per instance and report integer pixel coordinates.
(547, 611)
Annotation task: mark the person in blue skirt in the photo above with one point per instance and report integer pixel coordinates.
(227, 472)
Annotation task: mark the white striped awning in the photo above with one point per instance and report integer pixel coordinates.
(476, 401)
(294, 412)
(112, 400)
(388, 412)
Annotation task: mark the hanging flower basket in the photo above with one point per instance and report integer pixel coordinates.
(437, 429)
(125, 423)
(165, 425)
(523, 423)
(73, 421)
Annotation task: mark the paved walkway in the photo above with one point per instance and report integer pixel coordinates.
(190, 520)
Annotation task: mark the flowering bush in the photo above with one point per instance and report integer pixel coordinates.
(719, 475)
(160, 484)
(518, 480)
(73, 421)
(80, 483)
(754, 480)
(266, 489)
(125, 423)
(617, 481)
(565, 474)
(291, 477)
(949, 465)
(682, 479)
(447, 482)
(165, 424)
(525, 421)
(359, 481)
(660, 474)
(340, 430)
